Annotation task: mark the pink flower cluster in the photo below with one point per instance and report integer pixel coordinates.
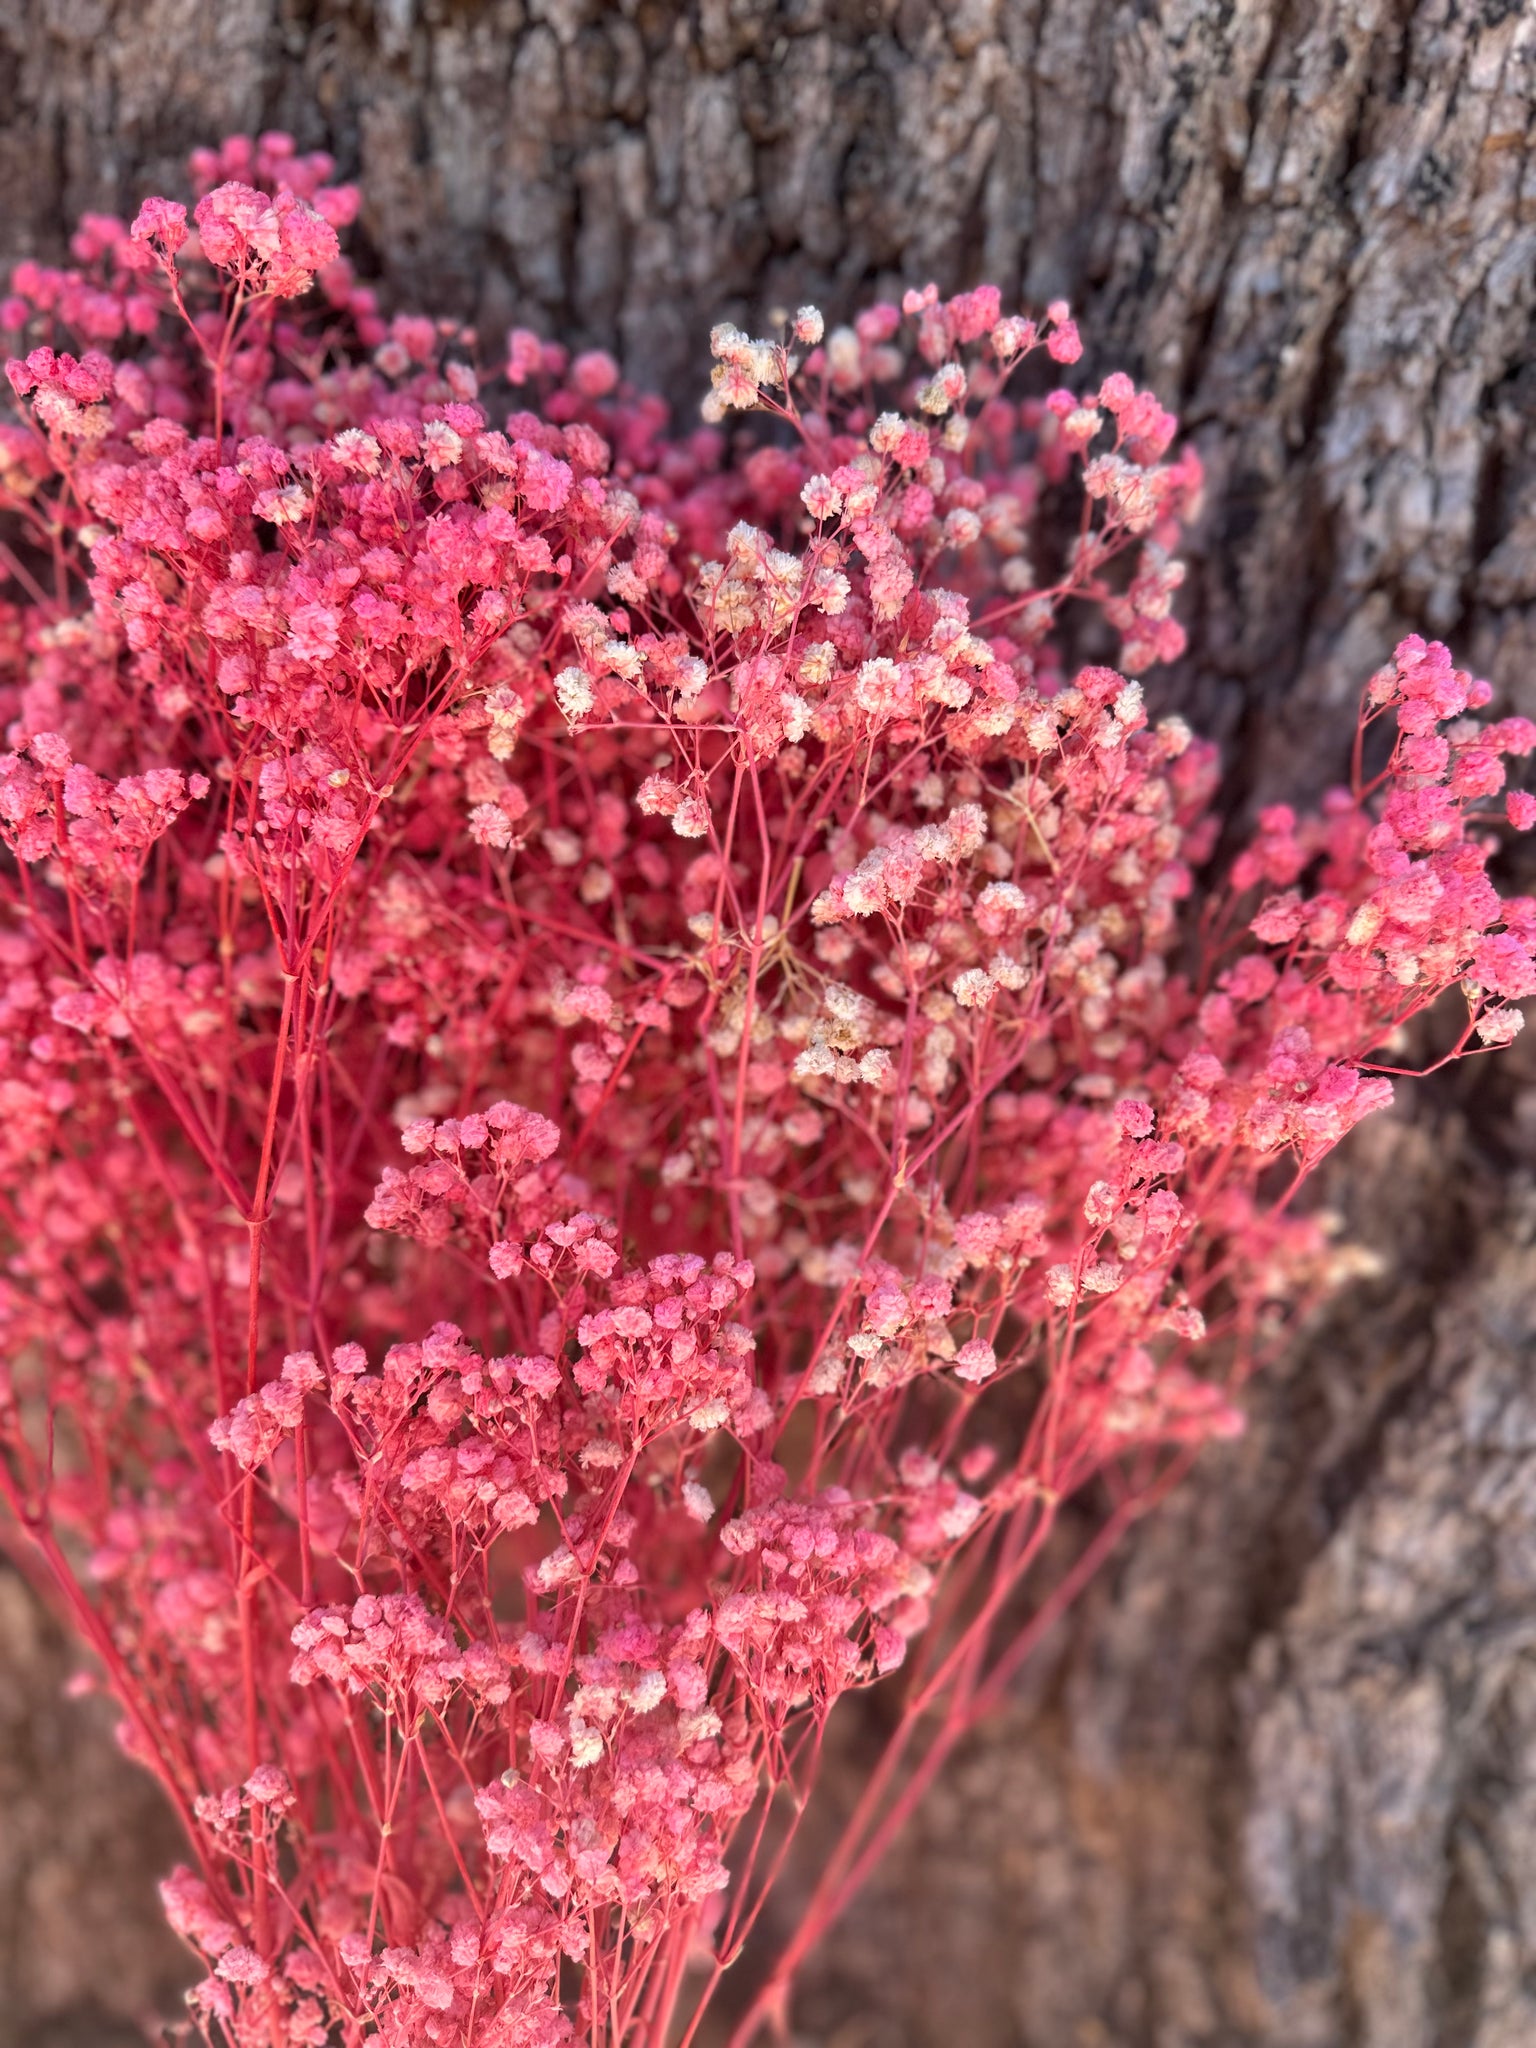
(616, 1084)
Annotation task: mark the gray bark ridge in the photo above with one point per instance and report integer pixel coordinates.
(1391, 1835)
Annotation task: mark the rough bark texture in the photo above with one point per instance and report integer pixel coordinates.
(1278, 1785)
(83, 1955)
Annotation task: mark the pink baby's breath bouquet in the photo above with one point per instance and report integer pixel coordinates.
(616, 1085)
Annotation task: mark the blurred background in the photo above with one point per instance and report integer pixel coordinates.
(1275, 1785)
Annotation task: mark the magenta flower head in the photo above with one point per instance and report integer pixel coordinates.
(620, 1078)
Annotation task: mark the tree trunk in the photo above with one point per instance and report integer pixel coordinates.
(1276, 1784)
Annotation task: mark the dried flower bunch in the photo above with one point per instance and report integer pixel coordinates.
(615, 1087)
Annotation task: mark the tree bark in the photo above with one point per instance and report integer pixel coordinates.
(1275, 1784)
